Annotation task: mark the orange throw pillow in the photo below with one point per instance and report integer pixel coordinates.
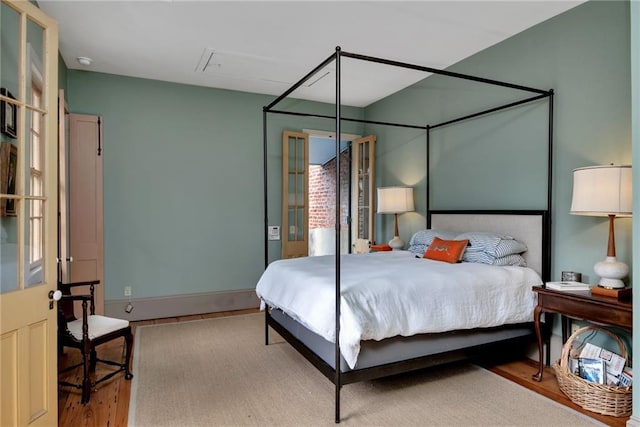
(446, 250)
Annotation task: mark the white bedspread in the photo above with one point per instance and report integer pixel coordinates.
(384, 294)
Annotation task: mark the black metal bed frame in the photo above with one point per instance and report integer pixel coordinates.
(336, 375)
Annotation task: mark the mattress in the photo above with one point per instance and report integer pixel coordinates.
(396, 294)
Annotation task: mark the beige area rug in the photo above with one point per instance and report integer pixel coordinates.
(218, 372)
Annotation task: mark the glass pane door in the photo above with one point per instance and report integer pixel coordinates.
(295, 184)
(363, 169)
(9, 86)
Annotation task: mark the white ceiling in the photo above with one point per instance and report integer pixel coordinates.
(266, 46)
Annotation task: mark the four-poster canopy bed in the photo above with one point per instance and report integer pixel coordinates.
(346, 351)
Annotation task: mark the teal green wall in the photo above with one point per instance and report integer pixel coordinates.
(500, 161)
(635, 126)
(183, 182)
(62, 74)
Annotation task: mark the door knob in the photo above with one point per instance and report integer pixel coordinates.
(54, 296)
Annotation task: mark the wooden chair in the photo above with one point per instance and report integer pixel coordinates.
(87, 333)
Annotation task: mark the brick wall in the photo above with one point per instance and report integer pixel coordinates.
(322, 198)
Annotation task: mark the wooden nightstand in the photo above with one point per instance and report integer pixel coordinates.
(580, 305)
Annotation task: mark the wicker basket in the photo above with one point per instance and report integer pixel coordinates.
(600, 398)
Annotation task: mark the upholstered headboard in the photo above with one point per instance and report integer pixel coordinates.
(527, 226)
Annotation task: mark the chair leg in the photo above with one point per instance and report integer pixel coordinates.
(86, 380)
(93, 360)
(128, 339)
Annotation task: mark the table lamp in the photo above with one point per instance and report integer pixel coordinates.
(604, 191)
(395, 200)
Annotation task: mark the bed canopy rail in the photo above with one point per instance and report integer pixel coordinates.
(437, 71)
(337, 377)
(346, 119)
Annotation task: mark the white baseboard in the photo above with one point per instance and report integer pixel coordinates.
(633, 421)
(182, 305)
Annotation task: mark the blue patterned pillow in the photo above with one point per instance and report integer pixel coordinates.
(495, 244)
(493, 248)
(513, 260)
(510, 247)
(485, 258)
(481, 241)
(479, 257)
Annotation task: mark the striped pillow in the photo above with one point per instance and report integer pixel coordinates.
(493, 249)
(484, 258)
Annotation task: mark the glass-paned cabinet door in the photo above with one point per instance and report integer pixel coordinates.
(362, 203)
(295, 194)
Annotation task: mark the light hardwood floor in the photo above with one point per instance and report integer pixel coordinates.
(109, 404)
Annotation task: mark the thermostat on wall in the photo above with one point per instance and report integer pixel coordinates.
(274, 232)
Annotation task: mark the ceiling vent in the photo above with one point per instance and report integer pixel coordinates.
(205, 60)
(253, 67)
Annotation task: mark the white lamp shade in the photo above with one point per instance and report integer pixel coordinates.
(395, 200)
(602, 191)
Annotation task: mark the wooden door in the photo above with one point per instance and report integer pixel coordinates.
(363, 188)
(63, 200)
(28, 371)
(295, 194)
(85, 194)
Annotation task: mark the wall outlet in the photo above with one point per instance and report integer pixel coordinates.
(127, 291)
(128, 308)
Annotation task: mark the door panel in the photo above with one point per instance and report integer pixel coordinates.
(28, 380)
(28, 367)
(85, 194)
(9, 378)
(295, 194)
(63, 178)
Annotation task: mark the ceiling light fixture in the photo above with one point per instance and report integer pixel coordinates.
(84, 60)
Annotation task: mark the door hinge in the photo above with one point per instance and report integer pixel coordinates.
(99, 137)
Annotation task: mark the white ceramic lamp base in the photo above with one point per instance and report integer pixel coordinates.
(396, 243)
(611, 272)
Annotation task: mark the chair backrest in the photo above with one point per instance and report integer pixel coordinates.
(65, 307)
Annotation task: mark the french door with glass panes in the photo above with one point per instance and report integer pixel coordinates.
(295, 191)
(295, 194)
(28, 218)
(362, 190)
